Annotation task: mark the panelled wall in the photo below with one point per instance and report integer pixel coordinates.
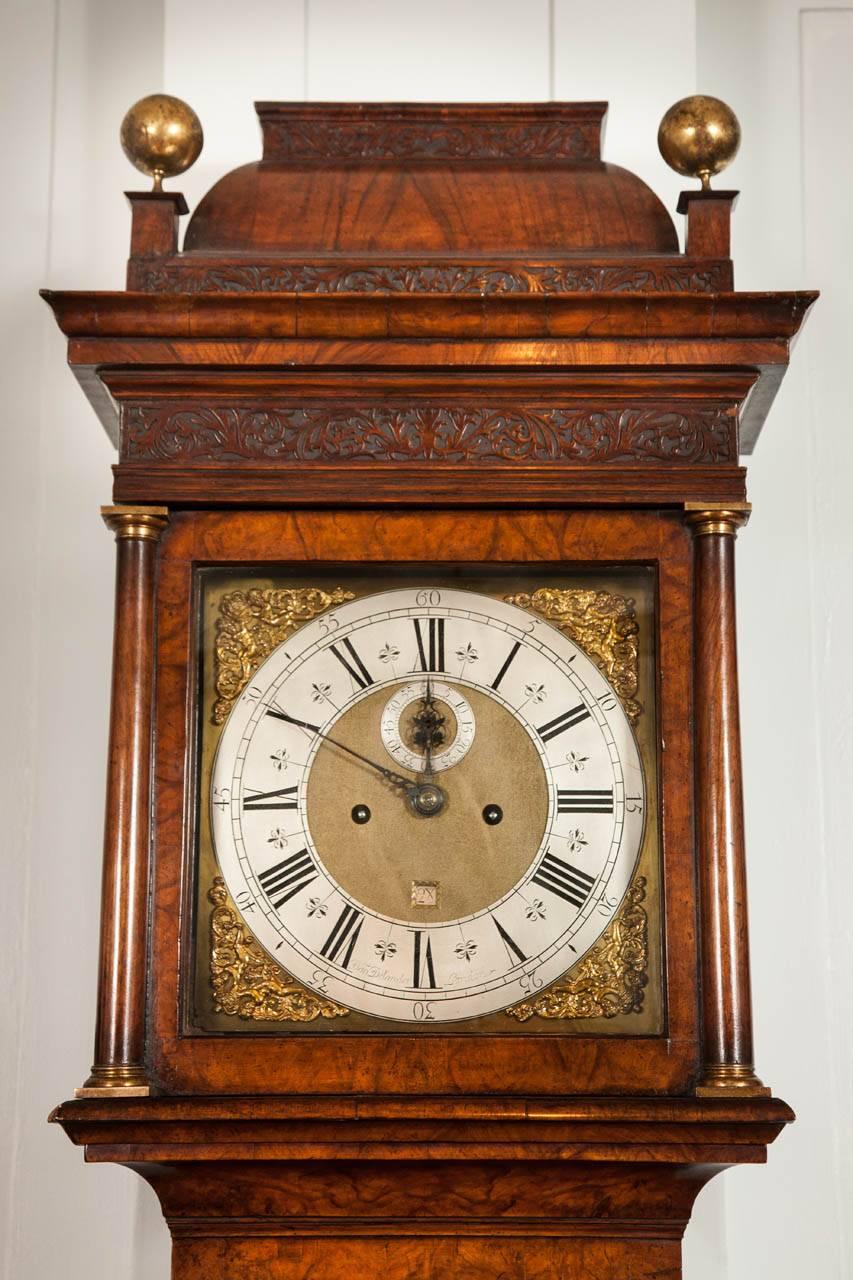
(69, 70)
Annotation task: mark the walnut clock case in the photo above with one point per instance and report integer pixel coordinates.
(424, 941)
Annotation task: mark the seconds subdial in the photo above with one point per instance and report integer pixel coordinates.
(399, 726)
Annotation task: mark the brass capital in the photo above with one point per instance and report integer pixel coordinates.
(721, 518)
(142, 523)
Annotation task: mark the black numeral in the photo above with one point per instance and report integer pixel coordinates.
(509, 942)
(513, 651)
(283, 881)
(584, 801)
(423, 966)
(560, 724)
(343, 937)
(285, 798)
(563, 879)
(431, 648)
(356, 667)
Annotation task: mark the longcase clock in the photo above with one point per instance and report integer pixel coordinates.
(424, 942)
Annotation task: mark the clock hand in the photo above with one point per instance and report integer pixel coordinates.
(397, 779)
(428, 731)
(425, 798)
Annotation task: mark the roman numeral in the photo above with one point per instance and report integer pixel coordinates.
(584, 801)
(285, 798)
(300, 724)
(561, 878)
(509, 942)
(513, 651)
(283, 881)
(431, 649)
(560, 724)
(344, 936)
(423, 966)
(356, 667)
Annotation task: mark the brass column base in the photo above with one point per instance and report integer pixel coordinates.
(115, 1082)
(727, 1081)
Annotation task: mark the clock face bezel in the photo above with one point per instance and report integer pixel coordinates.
(512, 974)
(188, 1053)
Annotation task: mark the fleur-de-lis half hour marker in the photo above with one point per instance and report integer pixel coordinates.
(576, 840)
(384, 949)
(277, 838)
(535, 692)
(467, 654)
(316, 907)
(466, 949)
(389, 653)
(279, 759)
(535, 910)
(576, 762)
(321, 692)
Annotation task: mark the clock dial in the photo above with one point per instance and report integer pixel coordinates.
(427, 804)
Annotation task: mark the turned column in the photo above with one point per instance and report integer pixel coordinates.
(120, 1030)
(726, 999)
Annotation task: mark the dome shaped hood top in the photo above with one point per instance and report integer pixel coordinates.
(504, 181)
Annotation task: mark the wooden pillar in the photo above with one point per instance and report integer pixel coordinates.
(726, 999)
(120, 1032)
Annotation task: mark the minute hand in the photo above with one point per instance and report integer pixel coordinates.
(396, 778)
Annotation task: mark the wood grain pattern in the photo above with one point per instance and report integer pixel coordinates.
(120, 1027)
(447, 335)
(294, 1189)
(183, 1062)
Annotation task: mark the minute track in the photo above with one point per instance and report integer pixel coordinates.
(468, 964)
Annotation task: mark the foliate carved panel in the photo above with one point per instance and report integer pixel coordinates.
(253, 623)
(245, 982)
(454, 278)
(407, 139)
(611, 978)
(428, 432)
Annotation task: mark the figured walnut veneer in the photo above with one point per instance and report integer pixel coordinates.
(451, 335)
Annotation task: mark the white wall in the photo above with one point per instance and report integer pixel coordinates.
(68, 70)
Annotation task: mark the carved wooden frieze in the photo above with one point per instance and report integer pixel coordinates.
(365, 433)
(430, 278)
(403, 138)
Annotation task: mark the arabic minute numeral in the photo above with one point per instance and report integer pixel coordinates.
(530, 982)
(607, 904)
(633, 804)
(245, 901)
(221, 797)
(422, 1011)
(607, 701)
(425, 598)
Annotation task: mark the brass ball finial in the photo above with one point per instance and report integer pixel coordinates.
(161, 136)
(699, 136)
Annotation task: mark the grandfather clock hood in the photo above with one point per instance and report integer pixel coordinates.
(422, 376)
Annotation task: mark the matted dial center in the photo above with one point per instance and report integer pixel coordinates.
(472, 864)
